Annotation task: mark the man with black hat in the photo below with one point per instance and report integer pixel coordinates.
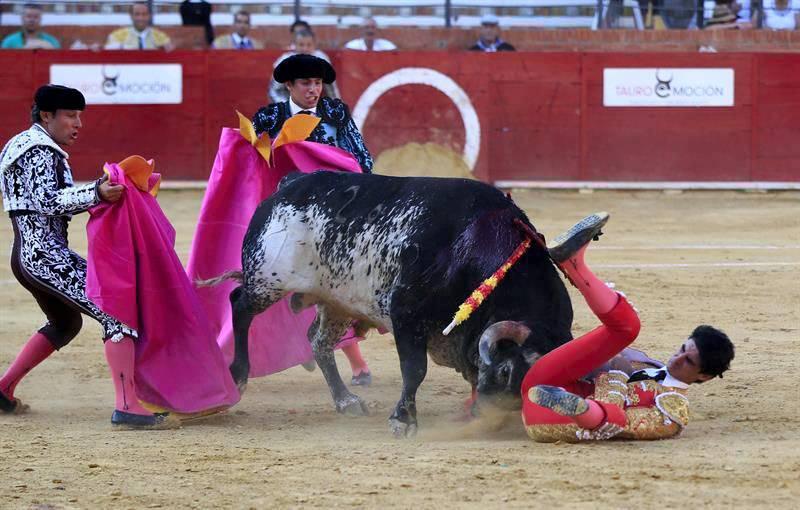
(304, 76)
(40, 198)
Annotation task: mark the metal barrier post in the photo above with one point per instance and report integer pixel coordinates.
(448, 6)
(600, 17)
(700, 9)
(758, 6)
(297, 6)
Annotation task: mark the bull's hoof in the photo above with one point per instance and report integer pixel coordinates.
(240, 374)
(352, 406)
(402, 430)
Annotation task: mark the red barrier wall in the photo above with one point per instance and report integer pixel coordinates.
(541, 114)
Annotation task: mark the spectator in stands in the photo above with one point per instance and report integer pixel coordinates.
(303, 42)
(294, 28)
(300, 25)
(723, 18)
(780, 15)
(370, 41)
(737, 7)
(31, 36)
(489, 39)
(140, 36)
(197, 13)
(238, 39)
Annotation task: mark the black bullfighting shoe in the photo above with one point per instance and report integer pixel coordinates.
(362, 379)
(558, 400)
(564, 246)
(121, 420)
(11, 405)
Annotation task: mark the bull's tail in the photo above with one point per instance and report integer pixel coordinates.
(235, 274)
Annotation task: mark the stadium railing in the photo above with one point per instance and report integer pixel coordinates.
(462, 13)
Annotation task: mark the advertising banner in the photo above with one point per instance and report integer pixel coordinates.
(668, 87)
(122, 83)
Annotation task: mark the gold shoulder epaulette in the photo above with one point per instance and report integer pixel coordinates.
(675, 406)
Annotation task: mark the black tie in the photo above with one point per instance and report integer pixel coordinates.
(305, 112)
(642, 375)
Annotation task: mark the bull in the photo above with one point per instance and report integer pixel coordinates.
(402, 253)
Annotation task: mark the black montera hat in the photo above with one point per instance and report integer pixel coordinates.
(304, 66)
(50, 98)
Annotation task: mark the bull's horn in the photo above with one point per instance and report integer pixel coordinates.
(511, 330)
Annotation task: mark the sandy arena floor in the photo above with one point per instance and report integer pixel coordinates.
(729, 259)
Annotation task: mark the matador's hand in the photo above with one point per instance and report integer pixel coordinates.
(109, 192)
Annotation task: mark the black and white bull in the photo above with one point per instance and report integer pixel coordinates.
(403, 254)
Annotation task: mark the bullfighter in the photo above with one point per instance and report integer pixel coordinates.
(559, 403)
(304, 76)
(40, 198)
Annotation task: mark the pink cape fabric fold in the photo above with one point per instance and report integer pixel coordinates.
(134, 275)
(239, 181)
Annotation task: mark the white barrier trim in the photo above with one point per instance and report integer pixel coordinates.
(693, 265)
(609, 185)
(726, 247)
(654, 185)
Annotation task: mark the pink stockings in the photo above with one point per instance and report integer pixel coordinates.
(566, 365)
(357, 362)
(598, 296)
(120, 356)
(121, 362)
(35, 350)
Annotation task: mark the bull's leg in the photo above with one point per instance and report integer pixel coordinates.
(412, 349)
(331, 326)
(245, 306)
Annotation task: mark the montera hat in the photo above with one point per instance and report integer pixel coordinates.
(50, 98)
(304, 66)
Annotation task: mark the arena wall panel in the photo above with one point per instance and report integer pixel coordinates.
(541, 115)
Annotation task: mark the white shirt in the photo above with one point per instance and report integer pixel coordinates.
(329, 129)
(294, 109)
(238, 39)
(781, 20)
(673, 383)
(377, 45)
(668, 379)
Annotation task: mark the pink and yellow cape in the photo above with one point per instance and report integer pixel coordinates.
(246, 171)
(134, 274)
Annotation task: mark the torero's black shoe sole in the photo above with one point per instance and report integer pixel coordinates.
(558, 400)
(564, 246)
(121, 420)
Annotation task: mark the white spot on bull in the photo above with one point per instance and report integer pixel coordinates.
(305, 250)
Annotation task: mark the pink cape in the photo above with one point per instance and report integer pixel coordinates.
(239, 181)
(134, 275)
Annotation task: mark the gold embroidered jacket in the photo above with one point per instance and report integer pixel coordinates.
(652, 411)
